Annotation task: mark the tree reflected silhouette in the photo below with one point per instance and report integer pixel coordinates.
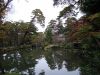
(23, 61)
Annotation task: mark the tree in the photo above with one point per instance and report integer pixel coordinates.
(60, 27)
(48, 35)
(38, 40)
(82, 30)
(38, 17)
(67, 11)
(70, 28)
(49, 31)
(3, 8)
(88, 7)
(27, 30)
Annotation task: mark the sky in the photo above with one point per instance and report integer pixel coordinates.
(21, 10)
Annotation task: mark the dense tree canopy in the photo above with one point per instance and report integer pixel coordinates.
(19, 33)
(87, 6)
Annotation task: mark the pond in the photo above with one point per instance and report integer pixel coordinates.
(40, 62)
(42, 66)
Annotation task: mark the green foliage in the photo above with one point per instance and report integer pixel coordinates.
(48, 35)
(12, 74)
(48, 31)
(67, 11)
(85, 29)
(68, 46)
(60, 27)
(89, 6)
(92, 17)
(83, 33)
(38, 17)
(86, 6)
(95, 21)
(90, 25)
(38, 39)
(14, 32)
(54, 32)
(69, 23)
(4, 5)
(19, 33)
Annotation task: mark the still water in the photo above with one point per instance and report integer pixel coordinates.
(41, 62)
(43, 66)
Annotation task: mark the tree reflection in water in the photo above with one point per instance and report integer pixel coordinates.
(24, 61)
(42, 72)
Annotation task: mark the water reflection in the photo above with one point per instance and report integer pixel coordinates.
(42, 68)
(50, 62)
